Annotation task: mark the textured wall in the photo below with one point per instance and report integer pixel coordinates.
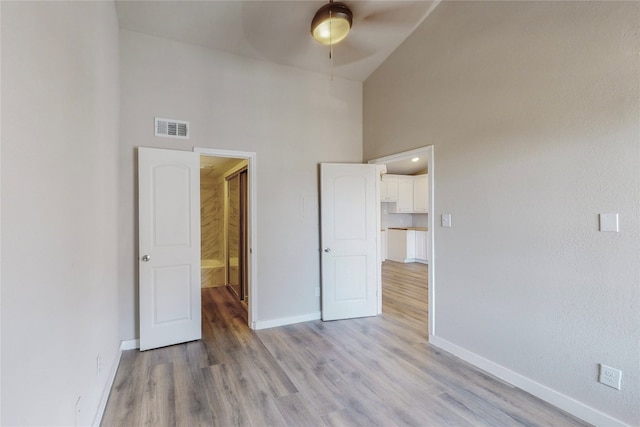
(212, 231)
(533, 110)
(59, 209)
(212, 219)
(291, 119)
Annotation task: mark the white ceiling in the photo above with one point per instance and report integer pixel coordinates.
(408, 166)
(278, 31)
(213, 167)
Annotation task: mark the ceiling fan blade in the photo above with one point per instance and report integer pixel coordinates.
(401, 13)
(293, 38)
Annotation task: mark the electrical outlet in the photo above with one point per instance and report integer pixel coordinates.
(610, 376)
(98, 364)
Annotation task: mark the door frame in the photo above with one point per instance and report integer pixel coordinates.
(427, 151)
(252, 223)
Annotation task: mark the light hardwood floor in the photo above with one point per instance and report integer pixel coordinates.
(377, 371)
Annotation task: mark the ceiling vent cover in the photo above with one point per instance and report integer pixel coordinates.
(172, 128)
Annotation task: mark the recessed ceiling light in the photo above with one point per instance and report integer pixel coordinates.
(415, 159)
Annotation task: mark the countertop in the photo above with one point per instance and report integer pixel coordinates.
(409, 228)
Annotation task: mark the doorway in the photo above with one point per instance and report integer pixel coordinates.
(405, 163)
(233, 222)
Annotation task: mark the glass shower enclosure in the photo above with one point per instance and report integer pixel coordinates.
(237, 234)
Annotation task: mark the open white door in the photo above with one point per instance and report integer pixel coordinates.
(169, 247)
(349, 240)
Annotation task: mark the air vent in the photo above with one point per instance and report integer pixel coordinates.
(172, 128)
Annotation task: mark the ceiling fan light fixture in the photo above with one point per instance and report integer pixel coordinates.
(331, 23)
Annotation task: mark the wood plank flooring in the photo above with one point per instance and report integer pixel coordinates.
(377, 371)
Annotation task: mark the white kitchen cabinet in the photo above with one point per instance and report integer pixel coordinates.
(383, 245)
(407, 245)
(428, 240)
(398, 242)
(404, 203)
(421, 193)
(389, 188)
(410, 193)
(421, 246)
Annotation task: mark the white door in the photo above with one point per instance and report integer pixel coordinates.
(349, 240)
(169, 247)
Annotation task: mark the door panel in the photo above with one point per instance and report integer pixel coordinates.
(349, 208)
(349, 240)
(170, 297)
(169, 247)
(171, 206)
(350, 278)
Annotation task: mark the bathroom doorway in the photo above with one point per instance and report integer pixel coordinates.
(228, 226)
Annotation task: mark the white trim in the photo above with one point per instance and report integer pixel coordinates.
(102, 405)
(404, 155)
(380, 169)
(224, 153)
(541, 391)
(130, 345)
(273, 323)
(424, 151)
(252, 167)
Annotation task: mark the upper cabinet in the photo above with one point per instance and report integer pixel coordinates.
(389, 188)
(405, 195)
(421, 193)
(408, 194)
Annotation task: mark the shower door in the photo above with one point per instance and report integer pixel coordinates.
(237, 233)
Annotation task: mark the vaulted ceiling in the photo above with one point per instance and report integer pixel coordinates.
(279, 31)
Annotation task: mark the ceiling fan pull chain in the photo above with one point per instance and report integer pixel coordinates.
(330, 39)
(330, 34)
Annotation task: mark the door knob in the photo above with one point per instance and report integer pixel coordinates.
(327, 249)
(146, 258)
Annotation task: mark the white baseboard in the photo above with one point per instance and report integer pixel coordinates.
(130, 345)
(273, 323)
(124, 345)
(543, 392)
(107, 388)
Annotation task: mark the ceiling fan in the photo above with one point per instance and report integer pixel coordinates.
(332, 23)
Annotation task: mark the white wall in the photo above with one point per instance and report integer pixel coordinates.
(532, 108)
(292, 119)
(394, 219)
(59, 209)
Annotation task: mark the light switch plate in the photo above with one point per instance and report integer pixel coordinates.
(609, 222)
(446, 220)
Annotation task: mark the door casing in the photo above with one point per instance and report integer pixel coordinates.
(428, 152)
